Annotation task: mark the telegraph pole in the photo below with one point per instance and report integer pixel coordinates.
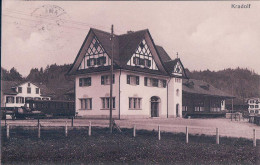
(111, 81)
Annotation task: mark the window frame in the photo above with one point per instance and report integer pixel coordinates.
(105, 103)
(132, 80)
(134, 103)
(20, 90)
(37, 90)
(29, 90)
(85, 103)
(105, 79)
(85, 82)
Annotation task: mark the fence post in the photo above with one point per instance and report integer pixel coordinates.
(39, 131)
(7, 131)
(38, 120)
(89, 129)
(159, 132)
(134, 129)
(72, 121)
(66, 129)
(254, 138)
(187, 135)
(217, 136)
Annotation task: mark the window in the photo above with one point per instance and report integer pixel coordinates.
(256, 111)
(86, 104)
(37, 90)
(132, 80)
(45, 98)
(85, 81)
(135, 103)
(177, 92)
(251, 106)
(154, 82)
(106, 102)
(177, 80)
(9, 99)
(20, 89)
(185, 108)
(105, 79)
(28, 90)
(256, 106)
(19, 99)
(29, 84)
(37, 98)
(252, 111)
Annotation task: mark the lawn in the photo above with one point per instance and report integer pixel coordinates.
(24, 147)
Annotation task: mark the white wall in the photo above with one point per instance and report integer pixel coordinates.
(173, 98)
(144, 92)
(96, 91)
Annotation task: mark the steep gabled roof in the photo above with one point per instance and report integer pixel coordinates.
(125, 46)
(170, 65)
(128, 44)
(192, 86)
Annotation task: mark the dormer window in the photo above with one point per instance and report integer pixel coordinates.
(28, 90)
(37, 90)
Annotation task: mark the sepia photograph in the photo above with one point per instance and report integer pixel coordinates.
(130, 82)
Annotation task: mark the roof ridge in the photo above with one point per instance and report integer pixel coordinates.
(133, 32)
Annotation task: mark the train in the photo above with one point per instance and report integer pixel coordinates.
(41, 109)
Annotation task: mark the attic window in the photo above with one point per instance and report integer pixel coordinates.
(206, 87)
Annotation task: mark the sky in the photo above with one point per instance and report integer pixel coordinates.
(207, 35)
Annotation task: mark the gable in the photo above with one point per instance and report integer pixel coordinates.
(94, 56)
(178, 70)
(143, 57)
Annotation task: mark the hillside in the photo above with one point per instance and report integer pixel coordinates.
(244, 82)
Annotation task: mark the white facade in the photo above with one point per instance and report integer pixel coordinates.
(145, 85)
(24, 91)
(123, 92)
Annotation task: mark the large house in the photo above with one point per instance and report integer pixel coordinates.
(146, 81)
(14, 94)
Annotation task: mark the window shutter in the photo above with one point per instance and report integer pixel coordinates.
(164, 83)
(99, 61)
(105, 59)
(17, 99)
(145, 81)
(128, 79)
(149, 63)
(95, 61)
(141, 61)
(102, 80)
(134, 60)
(113, 79)
(89, 81)
(88, 62)
(80, 82)
(137, 80)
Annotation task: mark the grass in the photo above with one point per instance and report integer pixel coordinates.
(24, 147)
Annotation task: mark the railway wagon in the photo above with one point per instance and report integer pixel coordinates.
(54, 108)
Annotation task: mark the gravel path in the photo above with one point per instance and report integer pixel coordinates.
(196, 126)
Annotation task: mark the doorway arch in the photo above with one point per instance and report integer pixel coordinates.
(155, 105)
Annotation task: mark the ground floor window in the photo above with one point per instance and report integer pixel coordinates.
(184, 108)
(28, 98)
(135, 103)
(45, 98)
(86, 103)
(19, 99)
(106, 102)
(9, 99)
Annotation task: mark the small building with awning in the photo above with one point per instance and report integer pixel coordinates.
(202, 99)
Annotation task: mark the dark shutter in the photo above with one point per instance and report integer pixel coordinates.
(134, 60)
(149, 63)
(99, 61)
(102, 80)
(113, 79)
(80, 82)
(89, 81)
(128, 79)
(16, 99)
(164, 83)
(145, 81)
(141, 62)
(105, 59)
(137, 80)
(88, 62)
(95, 61)
(90, 102)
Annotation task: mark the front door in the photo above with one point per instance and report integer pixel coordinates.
(177, 110)
(154, 109)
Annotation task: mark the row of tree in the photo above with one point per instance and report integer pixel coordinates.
(239, 82)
